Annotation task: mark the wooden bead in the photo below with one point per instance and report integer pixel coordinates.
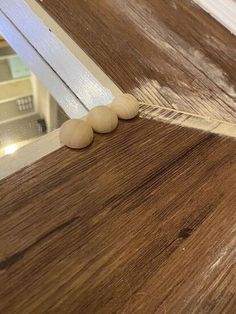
(76, 133)
(125, 106)
(102, 119)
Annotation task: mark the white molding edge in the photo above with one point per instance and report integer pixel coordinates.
(224, 11)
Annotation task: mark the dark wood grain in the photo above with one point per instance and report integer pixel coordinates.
(139, 222)
(168, 53)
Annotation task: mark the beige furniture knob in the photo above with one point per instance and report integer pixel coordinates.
(76, 133)
(102, 119)
(126, 106)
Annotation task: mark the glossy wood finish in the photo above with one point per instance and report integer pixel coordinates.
(142, 225)
(168, 53)
(144, 220)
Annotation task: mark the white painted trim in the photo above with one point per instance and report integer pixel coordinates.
(44, 72)
(223, 11)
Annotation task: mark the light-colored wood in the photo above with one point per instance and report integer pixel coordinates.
(222, 10)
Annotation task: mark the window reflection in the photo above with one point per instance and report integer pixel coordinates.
(27, 110)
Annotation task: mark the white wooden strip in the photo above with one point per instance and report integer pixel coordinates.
(223, 11)
(44, 72)
(28, 154)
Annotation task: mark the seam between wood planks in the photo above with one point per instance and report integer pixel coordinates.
(187, 119)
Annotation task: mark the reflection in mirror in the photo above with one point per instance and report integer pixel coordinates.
(27, 110)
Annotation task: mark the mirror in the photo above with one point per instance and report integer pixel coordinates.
(27, 110)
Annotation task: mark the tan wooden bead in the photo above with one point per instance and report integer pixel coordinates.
(126, 106)
(102, 119)
(76, 133)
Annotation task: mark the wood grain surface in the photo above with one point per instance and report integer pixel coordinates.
(143, 221)
(139, 222)
(168, 53)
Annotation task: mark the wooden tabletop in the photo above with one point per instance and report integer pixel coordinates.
(143, 221)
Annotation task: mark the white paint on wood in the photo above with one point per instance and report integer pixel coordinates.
(223, 11)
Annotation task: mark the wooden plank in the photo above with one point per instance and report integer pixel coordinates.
(78, 237)
(213, 244)
(188, 65)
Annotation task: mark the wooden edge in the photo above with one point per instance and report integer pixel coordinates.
(224, 11)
